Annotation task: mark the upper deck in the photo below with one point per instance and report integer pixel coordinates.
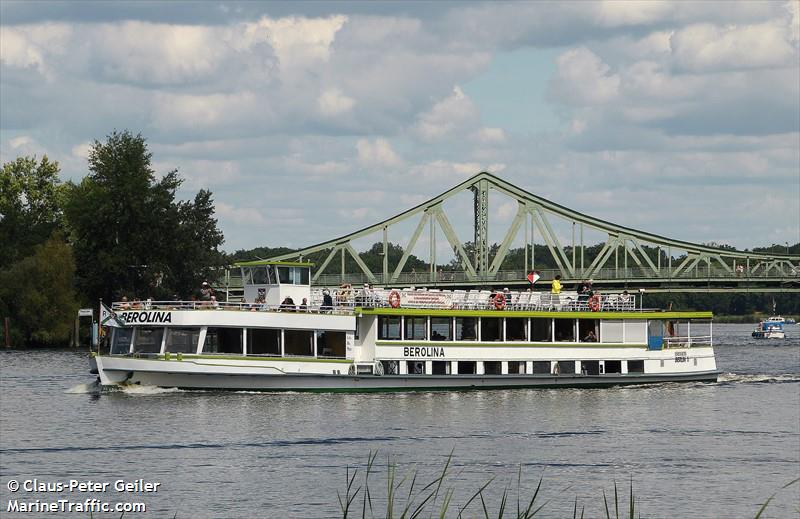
(348, 301)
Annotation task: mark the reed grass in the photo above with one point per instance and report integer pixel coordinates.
(408, 498)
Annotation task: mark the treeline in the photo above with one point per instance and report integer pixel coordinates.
(119, 231)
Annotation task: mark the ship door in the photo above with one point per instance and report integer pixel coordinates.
(655, 335)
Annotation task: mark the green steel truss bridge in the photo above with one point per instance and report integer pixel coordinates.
(628, 258)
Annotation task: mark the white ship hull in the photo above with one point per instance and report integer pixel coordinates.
(265, 376)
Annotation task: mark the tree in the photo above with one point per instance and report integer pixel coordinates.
(37, 294)
(130, 235)
(29, 208)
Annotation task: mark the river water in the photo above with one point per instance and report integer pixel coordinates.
(689, 450)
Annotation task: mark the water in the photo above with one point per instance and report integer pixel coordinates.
(692, 450)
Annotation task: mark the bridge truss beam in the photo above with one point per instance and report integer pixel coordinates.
(694, 263)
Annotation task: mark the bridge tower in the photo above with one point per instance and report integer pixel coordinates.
(480, 191)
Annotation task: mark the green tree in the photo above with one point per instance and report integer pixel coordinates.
(29, 208)
(37, 294)
(130, 235)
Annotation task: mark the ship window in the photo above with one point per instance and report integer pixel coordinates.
(565, 330)
(331, 344)
(302, 275)
(492, 367)
(391, 367)
(416, 328)
(516, 329)
(284, 275)
(613, 366)
(541, 367)
(590, 367)
(467, 367)
(541, 331)
(491, 329)
(441, 367)
(611, 331)
(298, 342)
(182, 340)
(441, 329)
(566, 367)
(388, 327)
(636, 332)
(465, 328)
(416, 367)
(260, 276)
(635, 366)
(589, 325)
(148, 340)
(223, 340)
(263, 341)
(293, 275)
(121, 343)
(516, 367)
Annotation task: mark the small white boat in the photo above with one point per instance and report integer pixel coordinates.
(771, 328)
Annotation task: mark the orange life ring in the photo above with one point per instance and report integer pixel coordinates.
(394, 299)
(594, 303)
(499, 301)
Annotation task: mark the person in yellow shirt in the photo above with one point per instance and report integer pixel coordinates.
(556, 285)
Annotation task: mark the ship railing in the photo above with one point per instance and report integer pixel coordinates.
(686, 341)
(341, 307)
(423, 298)
(380, 298)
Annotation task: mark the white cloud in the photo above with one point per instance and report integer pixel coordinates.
(377, 153)
(35, 46)
(584, 79)
(616, 13)
(300, 41)
(240, 215)
(454, 114)
(490, 135)
(82, 150)
(793, 6)
(707, 47)
(332, 103)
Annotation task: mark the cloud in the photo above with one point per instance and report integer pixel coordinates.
(490, 135)
(240, 215)
(260, 100)
(37, 47)
(453, 114)
(584, 79)
(377, 153)
(299, 41)
(708, 48)
(332, 103)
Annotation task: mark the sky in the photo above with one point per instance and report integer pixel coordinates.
(310, 120)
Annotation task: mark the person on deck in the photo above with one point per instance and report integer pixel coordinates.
(327, 301)
(556, 286)
(206, 292)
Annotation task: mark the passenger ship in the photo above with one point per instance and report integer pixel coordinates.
(401, 339)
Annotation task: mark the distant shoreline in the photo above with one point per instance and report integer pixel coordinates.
(747, 319)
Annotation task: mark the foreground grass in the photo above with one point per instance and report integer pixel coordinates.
(407, 497)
